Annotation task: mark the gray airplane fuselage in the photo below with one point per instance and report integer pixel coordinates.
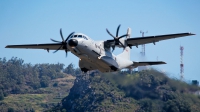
(90, 53)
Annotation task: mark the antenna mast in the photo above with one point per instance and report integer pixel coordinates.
(181, 64)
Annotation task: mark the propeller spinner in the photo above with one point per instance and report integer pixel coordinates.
(63, 43)
(116, 38)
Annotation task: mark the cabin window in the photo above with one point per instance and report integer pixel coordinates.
(85, 38)
(75, 35)
(80, 36)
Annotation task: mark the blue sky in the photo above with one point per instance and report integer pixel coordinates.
(31, 22)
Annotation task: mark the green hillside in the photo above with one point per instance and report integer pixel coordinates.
(33, 88)
(146, 91)
(51, 87)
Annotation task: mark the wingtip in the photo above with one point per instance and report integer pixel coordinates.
(8, 46)
(162, 62)
(191, 33)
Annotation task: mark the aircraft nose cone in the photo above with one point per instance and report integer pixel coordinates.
(73, 42)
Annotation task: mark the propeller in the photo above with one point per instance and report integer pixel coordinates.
(116, 38)
(63, 43)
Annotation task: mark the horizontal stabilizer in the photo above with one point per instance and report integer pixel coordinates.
(145, 63)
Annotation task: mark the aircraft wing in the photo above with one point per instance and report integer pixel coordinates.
(145, 63)
(153, 39)
(48, 46)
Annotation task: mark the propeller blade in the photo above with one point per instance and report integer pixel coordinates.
(54, 40)
(113, 47)
(61, 35)
(116, 39)
(110, 33)
(123, 36)
(63, 43)
(117, 31)
(122, 44)
(57, 49)
(66, 53)
(69, 36)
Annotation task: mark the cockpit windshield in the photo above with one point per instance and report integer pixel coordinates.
(79, 36)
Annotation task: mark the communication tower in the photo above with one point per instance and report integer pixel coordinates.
(143, 45)
(140, 68)
(181, 64)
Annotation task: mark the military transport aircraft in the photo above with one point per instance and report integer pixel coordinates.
(98, 54)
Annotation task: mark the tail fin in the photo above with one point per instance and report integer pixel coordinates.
(129, 33)
(126, 52)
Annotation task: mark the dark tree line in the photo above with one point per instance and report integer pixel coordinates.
(145, 91)
(19, 77)
(70, 69)
(154, 90)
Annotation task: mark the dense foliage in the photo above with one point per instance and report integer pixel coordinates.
(70, 69)
(20, 79)
(154, 91)
(146, 91)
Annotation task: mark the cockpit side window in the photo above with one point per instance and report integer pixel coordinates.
(85, 38)
(79, 36)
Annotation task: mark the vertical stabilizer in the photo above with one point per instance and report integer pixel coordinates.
(129, 33)
(126, 52)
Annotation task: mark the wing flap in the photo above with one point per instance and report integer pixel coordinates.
(48, 46)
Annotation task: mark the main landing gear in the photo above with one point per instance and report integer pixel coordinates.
(85, 70)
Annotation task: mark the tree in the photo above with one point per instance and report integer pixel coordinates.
(1, 96)
(70, 69)
(10, 109)
(63, 110)
(44, 81)
(146, 105)
(177, 105)
(55, 84)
